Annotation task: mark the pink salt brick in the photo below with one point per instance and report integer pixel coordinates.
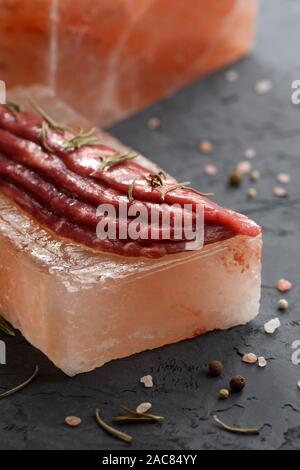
(124, 54)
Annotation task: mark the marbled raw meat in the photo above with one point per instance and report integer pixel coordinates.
(84, 308)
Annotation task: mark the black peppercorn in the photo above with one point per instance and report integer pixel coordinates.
(235, 179)
(215, 368)
(237, 383)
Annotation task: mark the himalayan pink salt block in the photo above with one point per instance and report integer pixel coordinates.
(84, 308)
(24, 41)
(109, 59)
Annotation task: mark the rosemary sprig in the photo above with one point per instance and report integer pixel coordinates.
(82, 139)
(193, 190)
(14, 107)
(22, 385)
(44, 131)
(156, 179)
(131, 189)
(133, 419)
(183, 185)
(110, 430)
(6, 328)
(134, 413)
(236, 430)
(58, 126)
(171, 187)
(116, 159)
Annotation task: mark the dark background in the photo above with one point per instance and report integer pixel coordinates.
(233, 117)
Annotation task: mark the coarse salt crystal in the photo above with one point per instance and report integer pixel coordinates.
(262, 362)
(232, 76)
(143, 407)
(272, 325)
(278, 191)
(210, 170)
(154, 123)
(250, 153)
(205, 146)
(147, 380)
(255, 175)
(244, 167)
(283, 285)
(250, 358)
(283, 178)
(263, 86)
(73, 421)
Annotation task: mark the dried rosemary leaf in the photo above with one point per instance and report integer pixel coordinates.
(171, 187)
(236, 430)
(144, 415)
(116, 159)
(183, 185)
(82, 139)
(130, 190)
(193, 190)
(156, 179)
(6, 328)
(58, 126)
(133, 419)
(110, 430)
(22, 385)
(14, 107)
(44, 132)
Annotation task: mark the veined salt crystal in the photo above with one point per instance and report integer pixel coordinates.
(249, 358)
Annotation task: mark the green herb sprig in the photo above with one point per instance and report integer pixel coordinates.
(236, 430)
(44, 132)
(131, 189)
(156, 179)
(22, 385)
(183, 185)
(82, 139)
(6, 328)
(57, 126)
(134, 417)
(110, 430)
(14, 107)
(116, 159)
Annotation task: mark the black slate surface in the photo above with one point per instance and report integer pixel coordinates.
(233, 117)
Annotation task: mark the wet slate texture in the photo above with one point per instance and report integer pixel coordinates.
(233, 117)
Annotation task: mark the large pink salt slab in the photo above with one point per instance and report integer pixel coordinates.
(83, 308)
(110, 58)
